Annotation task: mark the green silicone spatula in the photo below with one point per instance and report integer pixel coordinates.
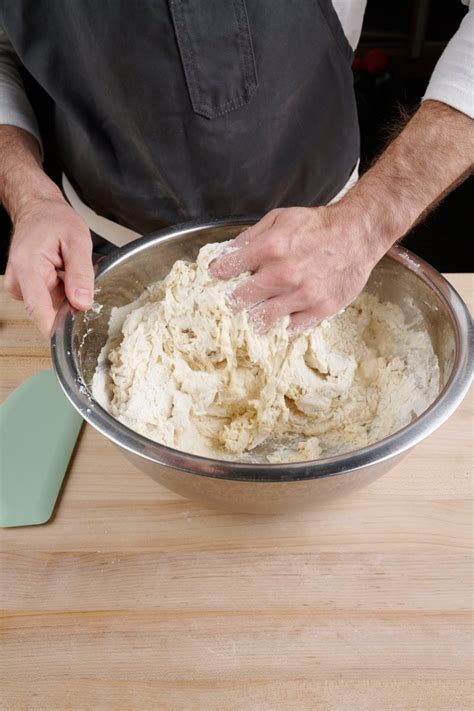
(38, 431)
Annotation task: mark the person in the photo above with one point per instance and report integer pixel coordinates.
(168, 111)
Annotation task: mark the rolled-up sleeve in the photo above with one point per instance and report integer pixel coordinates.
(15, 108)
(452, 81)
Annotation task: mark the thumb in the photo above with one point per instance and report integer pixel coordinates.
(78, 271)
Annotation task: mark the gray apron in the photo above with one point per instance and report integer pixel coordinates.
(166, 111)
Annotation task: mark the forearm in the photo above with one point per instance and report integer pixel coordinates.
(22, 178)
(432, 154)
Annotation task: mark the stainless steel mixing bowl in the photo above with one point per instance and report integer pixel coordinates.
(400, 277)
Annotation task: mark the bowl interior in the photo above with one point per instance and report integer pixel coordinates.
(121, 280)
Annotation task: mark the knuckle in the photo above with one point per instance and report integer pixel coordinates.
(309, 293)
(329, 306)
(246, 231)
(243, 239)
(77, 235)
(77, 230)
(267, 279)
(81, 229)
(300, 213)
(289, 275)
(275, 211)
(275, 248)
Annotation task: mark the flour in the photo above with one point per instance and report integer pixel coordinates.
(182, 369)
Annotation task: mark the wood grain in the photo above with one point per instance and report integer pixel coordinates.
(132, 597)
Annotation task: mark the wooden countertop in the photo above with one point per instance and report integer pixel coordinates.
(132, 597)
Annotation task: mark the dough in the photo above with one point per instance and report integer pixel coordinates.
(182, 369)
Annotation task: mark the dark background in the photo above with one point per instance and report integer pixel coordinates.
(400, 45)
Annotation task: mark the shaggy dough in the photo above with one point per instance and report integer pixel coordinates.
(180, 368)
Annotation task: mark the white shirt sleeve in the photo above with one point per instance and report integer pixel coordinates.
(452, 81)
(15, 108)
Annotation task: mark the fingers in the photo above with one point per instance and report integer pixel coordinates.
(252, 291)
(38, 286)
(302, 320)
(266, 315)
(38, 303)
(312, 316)
(233, 264)
(267, 221)
(294, 303)
(265, 284)
(58, 295)
(79, 272)
(247, 256)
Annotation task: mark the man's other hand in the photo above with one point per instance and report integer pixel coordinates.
(50, 259)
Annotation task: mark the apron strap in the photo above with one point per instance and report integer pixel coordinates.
(353, 178)
(109, 230)
(120, 235)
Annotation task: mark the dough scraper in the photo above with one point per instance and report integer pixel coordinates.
(38, 432)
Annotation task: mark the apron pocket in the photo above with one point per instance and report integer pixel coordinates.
(216, 52)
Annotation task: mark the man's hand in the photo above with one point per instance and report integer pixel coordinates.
(312, 262)
(50, 259)
(307, 262)
(50, 253)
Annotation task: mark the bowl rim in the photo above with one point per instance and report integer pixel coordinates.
(78, 393)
